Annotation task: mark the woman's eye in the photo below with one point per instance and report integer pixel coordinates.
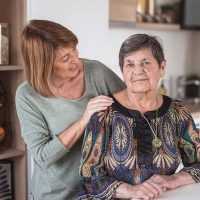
(65, 59)
(146, 63)
(129, 65)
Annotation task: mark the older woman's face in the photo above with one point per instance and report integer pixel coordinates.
(142, 72)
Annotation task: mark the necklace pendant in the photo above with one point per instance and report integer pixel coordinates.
(156, 142)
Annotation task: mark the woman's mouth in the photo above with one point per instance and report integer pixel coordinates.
(138, 80)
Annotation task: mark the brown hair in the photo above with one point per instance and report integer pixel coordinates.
(40, 41)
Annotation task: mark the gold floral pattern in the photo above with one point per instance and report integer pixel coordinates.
(121, 137)
(119, 152)
(168, 134)
(163, 160)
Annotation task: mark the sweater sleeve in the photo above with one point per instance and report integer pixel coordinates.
(190, 145)
(45, 148)
(94, 181)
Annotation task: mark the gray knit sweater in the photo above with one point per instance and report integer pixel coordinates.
(55, 175)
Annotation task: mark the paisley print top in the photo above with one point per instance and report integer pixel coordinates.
(118, 147)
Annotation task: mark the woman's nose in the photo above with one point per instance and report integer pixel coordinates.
(73, 55)
(139, 68)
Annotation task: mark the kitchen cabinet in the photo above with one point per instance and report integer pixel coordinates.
(126, 11)
(13, 12)
(122, 11)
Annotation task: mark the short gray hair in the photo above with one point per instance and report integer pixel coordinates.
(141, 41)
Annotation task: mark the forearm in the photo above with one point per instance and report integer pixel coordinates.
(145, 190)
(124, 190)
(74, 132)
(183, 178)
(70, 135)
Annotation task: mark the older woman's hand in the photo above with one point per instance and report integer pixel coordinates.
(147, 190)
(96, 104)
(172, 181)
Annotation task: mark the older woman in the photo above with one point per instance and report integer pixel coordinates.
(132, 149)
(55, 103)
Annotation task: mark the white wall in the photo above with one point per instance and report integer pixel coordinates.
(88, 19)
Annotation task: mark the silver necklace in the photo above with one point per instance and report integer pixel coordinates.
(156, 142)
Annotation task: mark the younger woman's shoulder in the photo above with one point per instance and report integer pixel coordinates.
(24, 90)
(24, 87)
(94, 65)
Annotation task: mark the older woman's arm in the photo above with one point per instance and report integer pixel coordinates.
(189, 146)
(146, 190)
(173, 181)
(94, 181)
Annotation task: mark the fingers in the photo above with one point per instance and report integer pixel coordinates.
(155, 189)
(159, 188)
(148, 190)
(165, 182)
(96, 104)
(144, 191)
(99, 103)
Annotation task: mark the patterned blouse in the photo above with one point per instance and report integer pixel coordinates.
(118, 147)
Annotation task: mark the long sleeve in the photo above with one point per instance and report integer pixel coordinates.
(46, 149)
(190, 145)
(94, 182)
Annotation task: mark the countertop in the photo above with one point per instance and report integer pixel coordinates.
(183, 193)
(187, 192)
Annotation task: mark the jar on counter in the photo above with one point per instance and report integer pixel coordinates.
(4, 44)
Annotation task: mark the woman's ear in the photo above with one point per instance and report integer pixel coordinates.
(163, 68)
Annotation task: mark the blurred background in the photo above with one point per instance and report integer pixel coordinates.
(102, 25)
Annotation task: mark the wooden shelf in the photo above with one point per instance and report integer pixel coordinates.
(153, 26)
(13, 12)
(11, 153)
(10, 67)
(159, 26)
(123, 14)
(122, 11)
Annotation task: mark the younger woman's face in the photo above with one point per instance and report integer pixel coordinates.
(66, 64)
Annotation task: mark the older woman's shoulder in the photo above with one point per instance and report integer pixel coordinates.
(181, 108)
(178, 102)
(99, 120)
